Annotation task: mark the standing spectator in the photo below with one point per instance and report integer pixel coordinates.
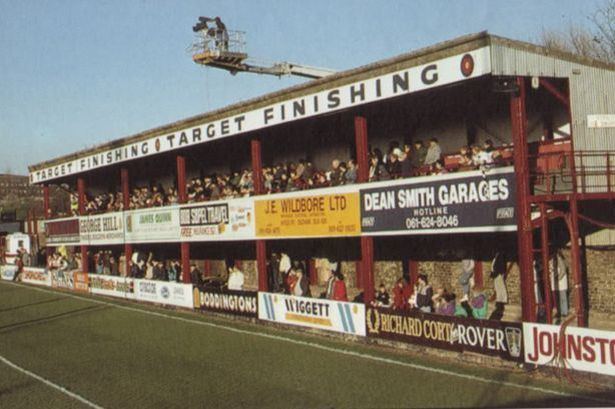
(419, 154)
(467, 272)
(424, 294)
(395, 164)
(382, 298)
(350, 176)
(405, 162)
(195, 276)
(335, 174)
(339, 288)
(235, 279)
(401, 293)
(434, 152)
(558, 267)
(498, 274)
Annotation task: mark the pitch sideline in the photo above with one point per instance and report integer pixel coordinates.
(323, 348)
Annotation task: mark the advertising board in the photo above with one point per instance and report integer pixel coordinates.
(62, 232)
(229, 302)
(152, 225)
(304, 215)
(164, 292)
(114, 286)
(229, 220)
(105, 228)
(7, 272)
(38, 276)
(582, 349)
(459, 202)
(503, 339)
(81, 282)
(63, 279)
(317, 313)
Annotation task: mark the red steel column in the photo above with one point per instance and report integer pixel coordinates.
(261, 265)
(46, 209)
(81, 198)
(367, 268)
(575, 255)
(360, 137)
(125, 180)
(544, 252)
(184, 247)
(518, 120)
(261, 245)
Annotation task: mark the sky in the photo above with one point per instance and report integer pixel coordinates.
(78, 73)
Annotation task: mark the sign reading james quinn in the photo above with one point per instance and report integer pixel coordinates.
(433, 74)
(456, 202)
(459, 334)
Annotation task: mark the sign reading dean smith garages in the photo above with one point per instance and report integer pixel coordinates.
(457, 202)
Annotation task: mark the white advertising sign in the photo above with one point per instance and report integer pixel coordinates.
(601, 121)
(38, 276)
(152, 225)
(164, 292)
(583, 349)
(63, 279)
(229, 220)
(102, 229)
(318, 313)
(7, 272)
(433, 74)
(122, 287)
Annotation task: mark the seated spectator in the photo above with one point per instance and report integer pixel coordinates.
(438, 168)
(434, 152)
(382, 298)
(394, 165)
(235, 279)
(406, 167)
(335, 174)
(377, 170)
(480, 157)
(465, 160)
(444, 302)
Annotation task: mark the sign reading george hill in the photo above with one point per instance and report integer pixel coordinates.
(465, 202)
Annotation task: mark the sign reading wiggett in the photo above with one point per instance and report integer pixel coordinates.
(470, 202)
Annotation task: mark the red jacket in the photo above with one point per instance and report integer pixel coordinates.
(339, 291)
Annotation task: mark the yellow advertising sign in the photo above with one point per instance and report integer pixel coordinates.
(309, 216)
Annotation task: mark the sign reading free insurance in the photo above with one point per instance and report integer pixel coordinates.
(458, 202)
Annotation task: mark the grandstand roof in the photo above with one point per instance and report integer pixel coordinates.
(421, 56)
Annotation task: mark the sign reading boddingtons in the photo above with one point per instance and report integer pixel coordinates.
(317, 313)
(463, 202)
(326, 215)
(503, 339)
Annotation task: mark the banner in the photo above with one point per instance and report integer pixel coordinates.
(164, 292)
(325, 215)
(233, 219)
(102, 229)
(38, 276)
(317, 313)
(63, 279)
(459, 202)
(152, 225)
(229, 302)
(81, 282)
(113, 286)
(582, 349)
(7, 272)
(62, 232)
(503, 339)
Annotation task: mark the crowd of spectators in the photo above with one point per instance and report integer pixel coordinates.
(400, 161)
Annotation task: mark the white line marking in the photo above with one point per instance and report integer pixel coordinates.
(49, 383)
(331, 349)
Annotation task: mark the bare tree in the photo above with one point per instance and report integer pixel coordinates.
(595, 41)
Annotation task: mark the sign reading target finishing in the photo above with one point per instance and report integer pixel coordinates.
(459, 202)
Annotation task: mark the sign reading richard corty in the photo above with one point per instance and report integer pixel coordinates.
(440, 72)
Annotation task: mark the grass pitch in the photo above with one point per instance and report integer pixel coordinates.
(117, 354)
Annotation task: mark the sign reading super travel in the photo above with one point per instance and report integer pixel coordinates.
(470, 202)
